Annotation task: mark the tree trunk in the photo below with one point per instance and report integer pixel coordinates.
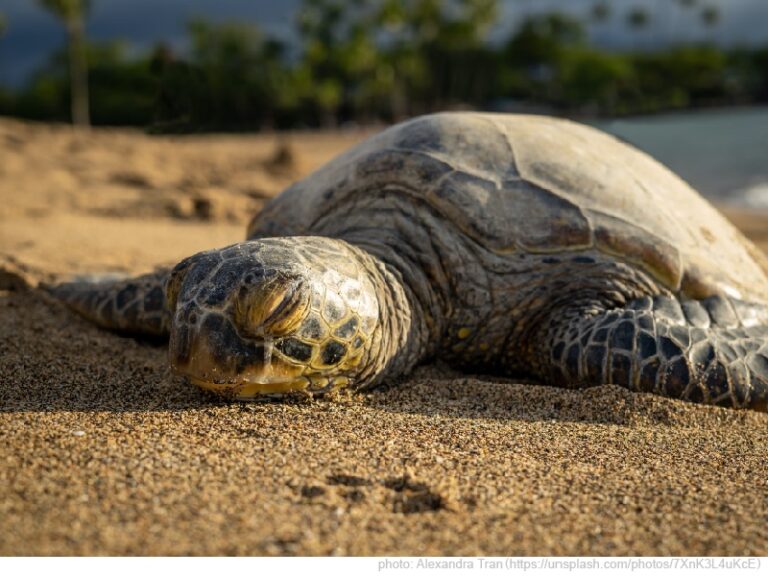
(78, 73)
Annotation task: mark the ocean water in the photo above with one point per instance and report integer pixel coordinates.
(721, 153)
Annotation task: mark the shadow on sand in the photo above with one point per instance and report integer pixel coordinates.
(51, 360)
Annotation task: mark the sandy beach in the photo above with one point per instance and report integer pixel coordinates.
(104, 452)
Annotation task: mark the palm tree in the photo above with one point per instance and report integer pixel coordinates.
(600, 12)
(710, 16)
(72, 13)
(638, 19)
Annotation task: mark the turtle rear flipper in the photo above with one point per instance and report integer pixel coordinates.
(131, 305)
(713, 351)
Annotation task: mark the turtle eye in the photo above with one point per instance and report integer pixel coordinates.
(274, 308)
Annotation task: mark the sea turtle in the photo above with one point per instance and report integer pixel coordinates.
(497, 243)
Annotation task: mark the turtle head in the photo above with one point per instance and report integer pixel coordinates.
(271, 316)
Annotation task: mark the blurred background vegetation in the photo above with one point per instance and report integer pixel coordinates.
(366, 61)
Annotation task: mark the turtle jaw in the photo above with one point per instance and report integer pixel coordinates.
(213, 356)
(269, 376)
(249, 390)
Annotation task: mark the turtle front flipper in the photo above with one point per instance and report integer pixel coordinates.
(131, 305)
(713, 351)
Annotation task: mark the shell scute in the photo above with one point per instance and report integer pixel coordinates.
(469, 143)
(621, 238)
(544, 221)
(519, 215)
(469, 202)
(560, 177)
(417, 169)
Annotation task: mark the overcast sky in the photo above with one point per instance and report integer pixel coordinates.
(32, 33)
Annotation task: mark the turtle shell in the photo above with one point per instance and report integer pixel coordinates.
(538, 184)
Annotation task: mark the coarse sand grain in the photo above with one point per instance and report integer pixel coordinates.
(104, 452)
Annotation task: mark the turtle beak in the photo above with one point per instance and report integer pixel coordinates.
(248, 390)
(208, 350)
(267, 376)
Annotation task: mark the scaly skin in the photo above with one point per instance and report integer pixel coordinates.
(713, 351)
(497, 243)
(313, 314)
(132, 305)
(271, 316)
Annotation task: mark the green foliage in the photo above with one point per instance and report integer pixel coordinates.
(683, 77)
(535, 56)
(72, 14)
(594, 81)
(235, 73)
(123, 90)
(369, 60)
(543, 40)
(438, 53)
(339, 58)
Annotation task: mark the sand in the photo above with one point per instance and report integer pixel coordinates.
(104, 452)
